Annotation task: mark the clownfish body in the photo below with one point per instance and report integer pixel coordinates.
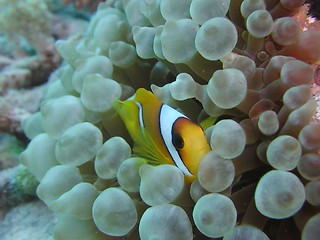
(161, 134)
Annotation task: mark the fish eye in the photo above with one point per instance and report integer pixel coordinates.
(177, 141)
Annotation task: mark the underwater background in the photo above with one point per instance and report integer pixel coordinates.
(247, 71)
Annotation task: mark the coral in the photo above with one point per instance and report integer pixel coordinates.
(244, 65)
(30, 54)
(16, 106)
(29, 19)
(24, 182)
(10, 149)
(84, 4)
(17, 185)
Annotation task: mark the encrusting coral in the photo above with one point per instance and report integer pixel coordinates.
(84, 4)
(244, 65)
(27, 29)
(17, 186)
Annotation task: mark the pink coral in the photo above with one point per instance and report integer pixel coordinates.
(90, 5)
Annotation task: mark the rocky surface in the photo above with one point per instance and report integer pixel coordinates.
(31, 220)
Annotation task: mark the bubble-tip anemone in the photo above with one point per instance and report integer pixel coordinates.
(39, 156)
(54, 111)
(279, 194)
(58, 180)
(259, 23)
(232, 67)
(177, 47)
(78, 144)
(284, 153)
(245, 232)
(227, 88)
(81, 196)
(228, 139)
(114, 212)
(215, 174)
(309, 166)
(216, 38)
(160, 184)
(110, 156)
(313, 193)
(311, 230)
(214, 214)
(203, 10)
(165, 221)
(128, 174)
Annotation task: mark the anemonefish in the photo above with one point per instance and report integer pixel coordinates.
(161, 134)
